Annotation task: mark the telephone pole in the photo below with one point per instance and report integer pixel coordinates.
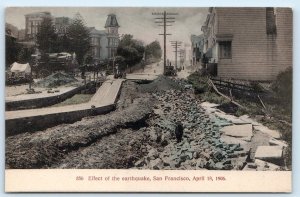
(175, 45)
(182, 57)
(165, 20)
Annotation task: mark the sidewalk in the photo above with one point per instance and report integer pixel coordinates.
(43, 94)
(105, 95)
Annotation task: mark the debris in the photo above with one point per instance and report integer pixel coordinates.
(274, 142)
(269, 153)
(263, 165)
(156, 164)
(55, 80)
(242, 131)
(273, 133)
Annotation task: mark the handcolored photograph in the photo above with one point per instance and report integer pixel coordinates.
(149, 88)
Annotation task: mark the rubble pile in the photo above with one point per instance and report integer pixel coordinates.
(162, 83)
(201, 147)
(140, 134)
(55, 80)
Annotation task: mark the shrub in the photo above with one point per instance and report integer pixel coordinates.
(283, 87)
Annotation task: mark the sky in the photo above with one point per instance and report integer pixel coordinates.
(136, 21)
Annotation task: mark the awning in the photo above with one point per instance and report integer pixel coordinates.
(19, 68)
(224, 37)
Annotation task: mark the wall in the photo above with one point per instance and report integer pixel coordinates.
(103, 49)
(41, 102)
(29, 124)
(284, 39)
(252, 50)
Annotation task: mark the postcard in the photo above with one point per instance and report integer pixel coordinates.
(148, 99)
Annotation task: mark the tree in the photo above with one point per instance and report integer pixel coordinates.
(131, 50)
(153, 50)
(283, 87)
(79, 38)
(24, 56)
(12, 48)
(64, 43)
(47, 38)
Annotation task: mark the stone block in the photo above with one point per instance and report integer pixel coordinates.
(153, 154)
(274, 142)
(273, 133)
(247, 119)
(270, 153)
(140, 163)
(266, 166)
(208, 105)
(231, 118)
(240, 131)
(156, 164)
(232, 140)
(205, 155)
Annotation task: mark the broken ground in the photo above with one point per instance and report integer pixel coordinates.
(140, 134)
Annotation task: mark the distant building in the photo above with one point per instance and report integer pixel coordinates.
(197, 48)
(32, 23)
(112, 27)
(99, 43)
(249, 43)
(105, 42)
(61, 24)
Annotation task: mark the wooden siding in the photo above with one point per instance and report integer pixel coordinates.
(254, 53)
(284, 39)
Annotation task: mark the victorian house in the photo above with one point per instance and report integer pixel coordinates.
(105, 42)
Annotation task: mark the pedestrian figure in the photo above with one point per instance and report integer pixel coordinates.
(179, 131)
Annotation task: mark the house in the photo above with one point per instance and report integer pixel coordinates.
(104, 43)
(99, 44)
(249, 43)
(197, 48)
(112, 30)
(61, 25)
(32, 23)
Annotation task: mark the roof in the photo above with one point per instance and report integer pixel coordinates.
(38, 14)
(93, 30)
(16, 67)
(195, 38)
(111, 21)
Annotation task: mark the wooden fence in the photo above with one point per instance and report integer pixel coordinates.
(230, 86)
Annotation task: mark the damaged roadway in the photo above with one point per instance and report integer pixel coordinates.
(140, 134)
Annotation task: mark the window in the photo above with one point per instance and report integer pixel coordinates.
(225, 49)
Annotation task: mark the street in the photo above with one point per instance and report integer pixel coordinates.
(140, 134)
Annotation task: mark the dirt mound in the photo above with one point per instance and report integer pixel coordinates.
(162, 83)
(56, 79)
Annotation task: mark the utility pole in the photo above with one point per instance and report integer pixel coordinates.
(182, 56)
(175, 45)
(165, 21)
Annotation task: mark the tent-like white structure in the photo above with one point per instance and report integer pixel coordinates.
(20, 68)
